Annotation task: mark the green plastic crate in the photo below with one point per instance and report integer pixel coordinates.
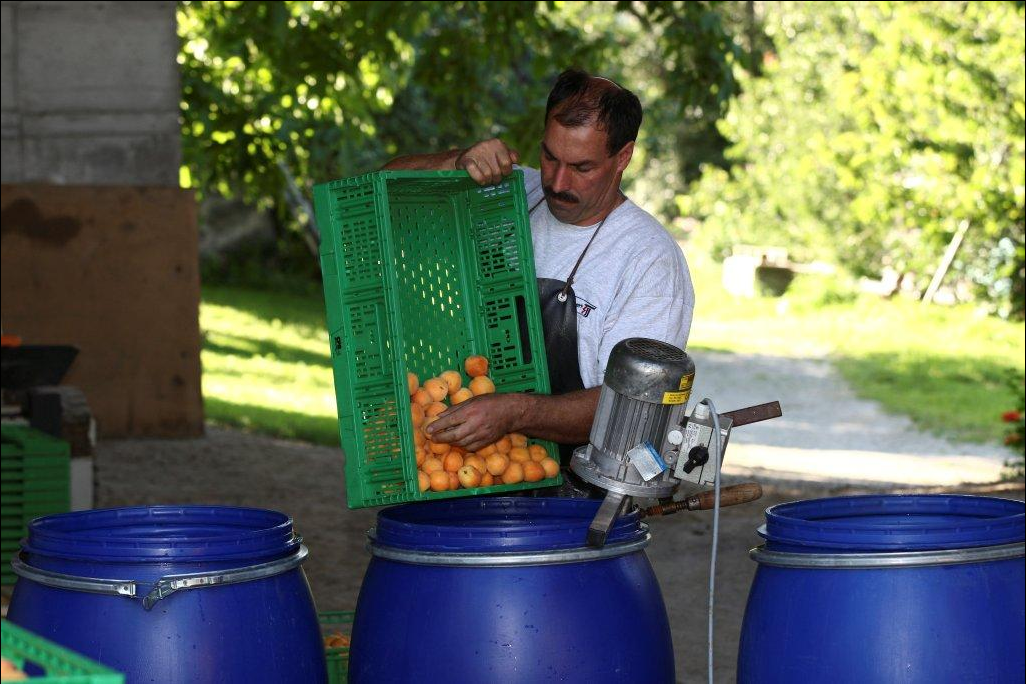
(422, 269)
(18, 441)
(57, 665)
(337, 657)
(36, 481)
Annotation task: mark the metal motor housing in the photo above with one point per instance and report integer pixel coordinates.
(644, 394)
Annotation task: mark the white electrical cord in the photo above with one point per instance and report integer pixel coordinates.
(716, 527)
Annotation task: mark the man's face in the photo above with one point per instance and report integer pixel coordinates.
(581, 181)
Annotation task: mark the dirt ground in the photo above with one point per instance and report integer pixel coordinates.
(234, 468)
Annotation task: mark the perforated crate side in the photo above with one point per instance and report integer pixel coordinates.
(60, 665)
(337, 657)
(448, 273)
(355, 251)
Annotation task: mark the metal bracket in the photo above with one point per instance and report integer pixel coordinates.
(163, 587)
(612, 507)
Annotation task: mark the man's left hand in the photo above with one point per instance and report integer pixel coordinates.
(478, 422)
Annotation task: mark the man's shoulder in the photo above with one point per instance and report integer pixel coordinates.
(530, 174)
(643, 229)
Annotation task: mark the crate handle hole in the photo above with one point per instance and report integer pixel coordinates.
(525, 336)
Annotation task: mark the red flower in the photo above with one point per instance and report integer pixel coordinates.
(1011, 416)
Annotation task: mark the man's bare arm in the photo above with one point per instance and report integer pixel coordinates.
(483, 420)
(487, 162)
(436, 161)
(564, 418)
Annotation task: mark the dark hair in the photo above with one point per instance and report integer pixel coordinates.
(578, 99)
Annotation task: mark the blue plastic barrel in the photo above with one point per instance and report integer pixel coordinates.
(173, 594)
(503, 589)
(887, 589)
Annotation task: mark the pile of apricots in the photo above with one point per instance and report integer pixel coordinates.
(442, 466)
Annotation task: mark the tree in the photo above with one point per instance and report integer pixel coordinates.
(878, 129)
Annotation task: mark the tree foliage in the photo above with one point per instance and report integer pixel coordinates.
(322, 90)
(876, 130)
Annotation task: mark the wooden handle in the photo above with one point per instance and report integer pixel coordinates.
(729, 496)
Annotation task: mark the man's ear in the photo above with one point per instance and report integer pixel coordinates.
(623, 157)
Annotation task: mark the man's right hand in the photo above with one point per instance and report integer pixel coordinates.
(488, 161)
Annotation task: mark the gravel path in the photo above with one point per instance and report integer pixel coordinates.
(826, 432)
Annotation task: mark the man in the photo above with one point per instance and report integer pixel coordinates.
(607, 270)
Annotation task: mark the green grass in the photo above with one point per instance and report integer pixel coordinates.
(266, 364)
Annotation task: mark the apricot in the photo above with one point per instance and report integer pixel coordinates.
(519, 455)
(439, 448)
(452, 462)
(482, 384)
(538, 452)
(461, 395)
(513, 474)
(503, 445)
(486, 451)
(437, 388)
(476, 462)
(550, 467)
(421, 397)
(439, 481)
(454, 481)
(452, 379)
(533, 471)
(431, 465)
(517, 439)
(434, 408)
(469, 476)
(417, 415)
(412, 382)
(496, 464)
(487, 480)
(475, 366)
(423, 481)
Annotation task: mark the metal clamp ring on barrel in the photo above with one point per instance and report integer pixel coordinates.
(576, 555)
(163, 587)
(854, 561)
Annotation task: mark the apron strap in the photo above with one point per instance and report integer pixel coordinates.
(570, 279)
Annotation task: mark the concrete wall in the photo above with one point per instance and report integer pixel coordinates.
(99, 242)
(90, 93)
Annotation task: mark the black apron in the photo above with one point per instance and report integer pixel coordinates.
(559, 323)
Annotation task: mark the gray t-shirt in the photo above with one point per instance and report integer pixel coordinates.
(633, 282)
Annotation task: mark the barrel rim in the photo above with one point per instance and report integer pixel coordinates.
(846, 522)
(90, 535)
(525, 524)
(907, 559)
(508, 559)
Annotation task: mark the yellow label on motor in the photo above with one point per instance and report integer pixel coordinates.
(676, 397)
(686, 382)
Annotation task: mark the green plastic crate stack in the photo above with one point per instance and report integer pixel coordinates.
(48, 663)
(35, 474)
(422, 269)
(337, 623)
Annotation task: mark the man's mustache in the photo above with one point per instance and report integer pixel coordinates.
(561, 196)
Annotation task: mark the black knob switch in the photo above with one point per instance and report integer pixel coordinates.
(698, 456)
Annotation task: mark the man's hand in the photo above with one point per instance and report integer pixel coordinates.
(478, 422)
(488, 162)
